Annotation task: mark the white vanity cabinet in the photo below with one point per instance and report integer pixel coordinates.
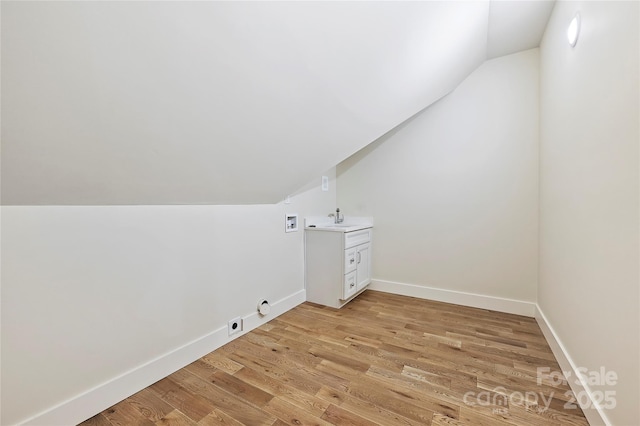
(338, 264)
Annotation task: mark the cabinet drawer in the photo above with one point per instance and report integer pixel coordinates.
(350, 285)
(350, 263)
(352, 239)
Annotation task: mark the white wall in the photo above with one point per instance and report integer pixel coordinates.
(454, 190)
(157, 103)
(589, 136)
(91, 292)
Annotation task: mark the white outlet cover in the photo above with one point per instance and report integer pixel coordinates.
(325, 183)
(235, 326)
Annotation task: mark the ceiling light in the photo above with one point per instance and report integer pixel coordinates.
(574, 30)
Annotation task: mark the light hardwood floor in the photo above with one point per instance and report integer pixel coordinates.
(382, 359)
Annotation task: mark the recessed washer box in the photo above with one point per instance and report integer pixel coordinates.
(291, 222)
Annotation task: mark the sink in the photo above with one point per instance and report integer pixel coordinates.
(324, 223)
(340, 227)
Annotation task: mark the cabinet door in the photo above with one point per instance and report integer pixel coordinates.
(363, 259)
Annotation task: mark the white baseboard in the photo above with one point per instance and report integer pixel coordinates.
(499, 304)
(594, 413)
(101, 397)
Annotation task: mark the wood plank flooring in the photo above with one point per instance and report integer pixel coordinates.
(381, 360)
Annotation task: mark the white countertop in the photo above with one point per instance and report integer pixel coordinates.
(350, 224)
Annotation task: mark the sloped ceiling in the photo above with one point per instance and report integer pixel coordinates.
(515, 26)
(220, 102)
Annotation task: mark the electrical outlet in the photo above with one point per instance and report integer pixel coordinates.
(235, 326)
(325, 183)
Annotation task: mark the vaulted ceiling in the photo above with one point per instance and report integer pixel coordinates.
(224, 102)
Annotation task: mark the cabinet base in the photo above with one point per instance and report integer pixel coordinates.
(339, 303)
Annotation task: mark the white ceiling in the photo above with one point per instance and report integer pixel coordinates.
(515, 26)
(224, 102)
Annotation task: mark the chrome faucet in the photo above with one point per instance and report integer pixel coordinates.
(336, 217)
